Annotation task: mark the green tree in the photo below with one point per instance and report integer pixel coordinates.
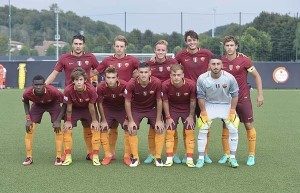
(51, 51)
(147, 49)
(131, 48)
(3, 45)
(148, 38)
(25, 51)
(135, 38)
(67, 48)
(177, 49)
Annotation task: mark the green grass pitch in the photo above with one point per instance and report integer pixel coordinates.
(277, 166)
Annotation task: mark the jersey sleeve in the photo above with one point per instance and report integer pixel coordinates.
(67, 96)
(201, 91)
(193, 90)
(234, 88)
(164, 87)
(129, 89)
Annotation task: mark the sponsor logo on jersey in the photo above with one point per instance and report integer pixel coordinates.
(224, 85)
(79, 63)
(151, 92)
(202, 59)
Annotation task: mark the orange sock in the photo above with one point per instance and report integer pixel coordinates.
(159, 144)
(208, 139)
(29, 140)
(251, 135)
(113, 136)
(225, 143)
(59, 137)
(127, 151)
(133, 141)
(68, 142)
(87, 134)
(105, 143)
(95, 141)
(175, 147)
(184, 138)
(151, 140)
(170, 142)
(190, 142)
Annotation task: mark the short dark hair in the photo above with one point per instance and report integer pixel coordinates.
(77, 72)
(192, 34)
(111, 69)
(215, 56)
(38, 77)
(144, 65)
(78, 36)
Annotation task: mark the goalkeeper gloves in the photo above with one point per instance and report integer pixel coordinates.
(203, 121)
(233, 119)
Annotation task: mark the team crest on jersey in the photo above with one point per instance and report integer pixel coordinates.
(168, 68)
(161, 94)
(79, 63)
(119, 65)
(48, 101)
(202, 59)
(126, 65)
(125, 91)
(80, 100)
(66, 98)
(86, 62)
(178, 94)
(160, 68)
(195, 59)
(87, 99)
(145, 93)
(185, 94)
(113, 96)
(237, 67)
(151, 92)
(42, 102)
(224, 85)
(230, 67)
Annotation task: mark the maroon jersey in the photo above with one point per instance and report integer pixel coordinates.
(161, 70)
(125, 66)
(68, 62)
(80, 99)
(238, 67)
(194, 64)
(51, 94)
(112, 98)
(143, 99)
(179, 98)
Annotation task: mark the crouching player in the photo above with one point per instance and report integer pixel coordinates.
(44, 98)
(179, 100)
(80, 98)
(111, 107)
(217, 93)
(143, 99)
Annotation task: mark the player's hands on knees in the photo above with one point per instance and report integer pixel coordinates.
(190, 122)
(159, 127)
(103, 126)
(132, 127)
(170, 124)
(205, 118)
(28, 126)
(56, 126)
(67, 125)
(95, 125)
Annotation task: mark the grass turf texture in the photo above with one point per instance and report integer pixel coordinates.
(276, 169)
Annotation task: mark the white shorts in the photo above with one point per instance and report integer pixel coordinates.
(220, 111)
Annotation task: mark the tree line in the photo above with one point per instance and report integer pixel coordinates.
(270, 37)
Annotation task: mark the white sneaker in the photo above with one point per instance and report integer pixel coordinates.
(158, 162)
(134, 163)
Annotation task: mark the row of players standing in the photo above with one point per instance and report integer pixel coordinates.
(195, 62)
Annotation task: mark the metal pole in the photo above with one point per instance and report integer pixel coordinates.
(125, 16)
(181, 27)
(9, 26)
(57, 36)
(214, 21)
(240, 42)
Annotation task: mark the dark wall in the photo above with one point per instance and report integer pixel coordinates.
(265, 69)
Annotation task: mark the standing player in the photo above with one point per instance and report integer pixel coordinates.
(239, 66)
(126, 66)
(80, 98)
(160, 68)
(67, 62)
(179, 100)
(143, 99)
(44, 98)
(195, 62)
(217, 93)
(111, 107)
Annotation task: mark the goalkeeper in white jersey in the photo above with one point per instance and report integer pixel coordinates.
(217, 94)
